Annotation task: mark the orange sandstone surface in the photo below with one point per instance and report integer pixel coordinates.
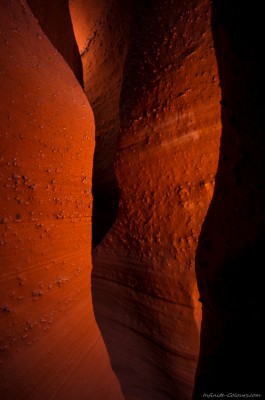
(173, 93)
(143, 280)
(50, 346)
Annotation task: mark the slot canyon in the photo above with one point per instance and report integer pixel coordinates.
(132, 218)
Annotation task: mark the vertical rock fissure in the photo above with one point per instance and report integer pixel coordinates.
(105, 197)
(101, 30)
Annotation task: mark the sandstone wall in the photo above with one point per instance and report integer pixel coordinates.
(144, 286)
(50, 345)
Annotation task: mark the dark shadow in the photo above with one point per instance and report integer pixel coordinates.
(55, 21)
(103, 55)
(230, 253)
(105, 200)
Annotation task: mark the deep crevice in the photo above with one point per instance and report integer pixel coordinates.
(101, 30)
(105, 207)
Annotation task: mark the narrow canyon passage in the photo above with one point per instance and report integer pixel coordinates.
(101, 30)
(131, 131)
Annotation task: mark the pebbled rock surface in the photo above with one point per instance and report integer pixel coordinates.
(50, 346)
(144, 286)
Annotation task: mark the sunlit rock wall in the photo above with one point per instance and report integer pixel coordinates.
(50, 346)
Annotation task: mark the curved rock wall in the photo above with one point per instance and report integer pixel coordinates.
(101, 28)
(50, 346)
(55, 21)
(150, 74)
(144, 286)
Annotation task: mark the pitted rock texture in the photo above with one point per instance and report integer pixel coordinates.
(144, 287)
(50, 346)
(102, 29)
(155, 77)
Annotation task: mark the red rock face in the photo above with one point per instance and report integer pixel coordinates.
(165, 81)
(101, 28)
(144, 285)
(50, 344)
